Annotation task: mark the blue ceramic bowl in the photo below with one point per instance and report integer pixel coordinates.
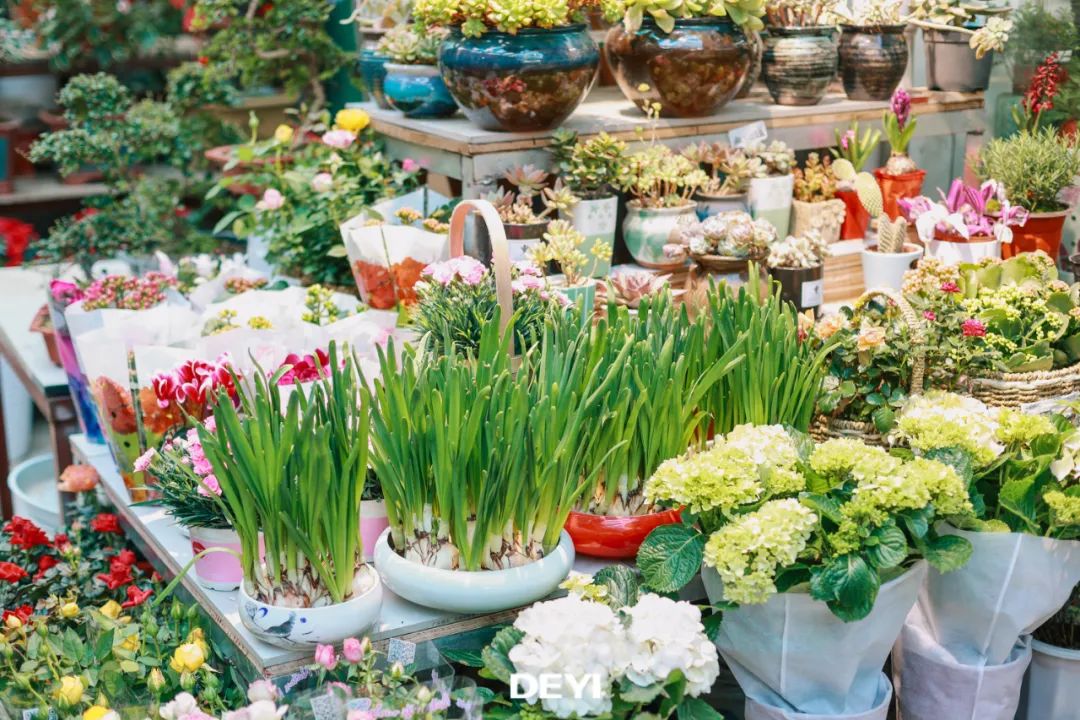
(373, 71)
(418, 91)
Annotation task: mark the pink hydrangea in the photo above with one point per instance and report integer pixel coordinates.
(339, 139)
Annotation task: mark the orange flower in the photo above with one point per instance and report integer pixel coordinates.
(78, 478)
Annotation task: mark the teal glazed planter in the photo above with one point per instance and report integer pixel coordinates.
(799, 63)
(418, 91)
(693, 71)
(518, 83)
(373, 72)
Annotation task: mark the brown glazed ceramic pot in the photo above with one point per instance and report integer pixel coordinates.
(799, 63)
(873, 59)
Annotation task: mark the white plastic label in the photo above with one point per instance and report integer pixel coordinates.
(813, 293)
(753, 132)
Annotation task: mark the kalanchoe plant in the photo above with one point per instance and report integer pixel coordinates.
(729, 169)
(770, 510)
(745, 13)
(127, 292)
(657, 177)
(590, 168)
(475, 19)
(856, 148)
(815, 182)
(412, 44)
(899, 129)
(1031, 167)
(965, 213)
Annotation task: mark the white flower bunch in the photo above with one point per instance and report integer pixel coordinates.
(1068, 463)
(805, 251)
(572, 636)
(940, 419)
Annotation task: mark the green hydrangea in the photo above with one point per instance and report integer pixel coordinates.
(946, 420)
(748, 551)
(841, 458)
(1020, 428)
(1064, 509)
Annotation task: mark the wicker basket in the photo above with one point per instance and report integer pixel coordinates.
(1016, 389)
(825, 428)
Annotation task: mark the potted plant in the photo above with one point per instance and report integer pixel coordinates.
(966, 648)
(489, 60)
(960, 37)
(962, 227)
(798, 264)
(725, 245)
(565, 247)
(816, 207)
(873, 49)
(856, 149)
(801, 54)
(900, 177)
(313, 585)
(1033, 167)
(770, 193)
(886, 260)
(523, 223)
(811, 556)
(661, 184)
(730, 172)
(589, 168)
(1055, 662)
(688, 59)
(629, 288)
(413, 83)
(1036, 33)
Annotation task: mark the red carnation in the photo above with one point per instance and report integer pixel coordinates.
(43, 564)
(136, 596)
(973, 328)
(10, 572)
(23, 613)
(25, 534)
(105, 523)
(118, 576)
(126, 557)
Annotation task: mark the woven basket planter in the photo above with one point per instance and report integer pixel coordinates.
(1016, 389)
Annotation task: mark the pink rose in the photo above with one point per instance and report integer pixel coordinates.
(352, 650)
(409, 165)
(322, 182)
(271, 200)
(339, 139)
(325, 656)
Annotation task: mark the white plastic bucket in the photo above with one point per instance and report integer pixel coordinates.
(18, 409)
(1053, 683)
(34, 494)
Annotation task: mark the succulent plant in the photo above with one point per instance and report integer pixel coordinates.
(590, 167)
(802, 13)
(731, 234)
(412, 44)
(959, 16)
(629, 287)
(475, 17)
(864, 184)
(518, 207)
(803, 251)
(744, 13)
(562, 244)
(891, 235)
(875, 12)
(730, 170)
(658, 177)
(528, 180)
(776, 157)
(991, 36)
(815, 182)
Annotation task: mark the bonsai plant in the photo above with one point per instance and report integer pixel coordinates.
(1032, 168)
(102, 33)
(590, 168)
(770, 192)
(688, 58)
(900, 177)
(856, 149)
(524, 224)
(513, 93)
(730, 172)
(277, 460)
(816, 207)
(412, 83)
(801, 53)
(960, 37)
(798, 263)
(1036, 33)
(873, 49)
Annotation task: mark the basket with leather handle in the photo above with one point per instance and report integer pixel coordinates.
(1005, 389)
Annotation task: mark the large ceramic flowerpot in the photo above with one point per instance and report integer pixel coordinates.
(799, 63)
(482, 591)
(770, 199)
(693, 71)
(217, 570)
(757, 49)
(951, 63)
(885, 271)
(1053, 683)
(616, 537)
(709, 205)
(953, 252)
(373, 521)
(896, 187)
(299, 628)
(802, 287)
(826, 216)
(1042, 231)
(32, 484)
(647, 230)
(418, 91)
(531, 80)
(373, 71)
(856, 217)
(873, 59)
(597, 219)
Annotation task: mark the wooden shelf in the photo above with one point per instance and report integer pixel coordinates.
(41, 189)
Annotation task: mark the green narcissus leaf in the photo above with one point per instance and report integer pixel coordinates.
(696, 709)
(622, 585)
(496, 656)
(889, 548)
(670, 557)
(947, 552)
(848, 585)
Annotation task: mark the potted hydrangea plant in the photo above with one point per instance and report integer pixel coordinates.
(900, 177)
(689, 59)
(770, 193)
(729, 170)
(801, 52)
(798, 264)
(873, 49)
(816, 207)
(489, 60)
(413, 83)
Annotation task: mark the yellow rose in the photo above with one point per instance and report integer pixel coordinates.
(870, 338)
(188, 657)
(13, 622)
(95, 712)
(71, 690)
(69, 610)
(828, 326)
(155, 681)
(352, 119)
(283, 134)
(197, 637)
(130, 643)
(111, 609)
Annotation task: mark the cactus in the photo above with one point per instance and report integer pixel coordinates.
(869, 193)
(891, 235)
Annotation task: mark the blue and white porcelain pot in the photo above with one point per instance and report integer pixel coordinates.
(418, 91)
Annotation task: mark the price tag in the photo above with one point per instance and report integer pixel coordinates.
(813, 293)
(754, 132)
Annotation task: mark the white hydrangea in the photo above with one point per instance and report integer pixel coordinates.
(940, 419)
(666, 635)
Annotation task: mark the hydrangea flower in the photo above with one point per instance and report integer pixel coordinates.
(665, 636)
(941, 420)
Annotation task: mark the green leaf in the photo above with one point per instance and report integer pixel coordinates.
(875, 399)
(891, 547)
(884, 418)
(622, 585)
(670, 557)
(946, 552)
(103, 645)
(696, 709)
(463, 656)
(823, 505)
(1019, 498)
(496, 656)
(957, 458)
(337, 251)
(848, 585)
(675, 692)
(639, 695)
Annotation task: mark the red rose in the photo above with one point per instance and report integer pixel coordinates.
(25, 534)
(136, 596)
(105, 523)
(118, 576)
(43, 564)
(10, 572)
(23, 613)
(60, 541)
(126, 557)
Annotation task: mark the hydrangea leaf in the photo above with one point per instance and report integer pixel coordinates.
(848, 585)
(959, 459)
(670, 557)
(696, 709)
(1018, 497)
(622, 585)
(497, 654)
(888, 547)
(947, 552)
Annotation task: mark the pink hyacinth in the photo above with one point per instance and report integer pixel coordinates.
(973, 328)
(846, 139)
(901, 106)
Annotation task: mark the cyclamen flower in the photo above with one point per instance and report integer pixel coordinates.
(973, 328)
(338, 139)
(305, 369)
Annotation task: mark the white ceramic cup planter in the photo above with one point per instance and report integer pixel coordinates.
(476, 592)
(954, 253)
(373, 521)
(217, 570)
(885, 271)
(1053, 683)
(300, 628)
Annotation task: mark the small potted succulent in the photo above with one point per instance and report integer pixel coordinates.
(661, 183)
(568, 249)
(1033, 167)
(690, 58)
(413, 83)
(960, 37)
(729, 170)
(798, 264)
(629, 288)
(901, 177)
(524, 224)
(873, 49)
(589, 168)
(856, 149)
(801, 53)
(490, 63)
(770, 192)
(724, 245)
(816, 207)
(885, 262)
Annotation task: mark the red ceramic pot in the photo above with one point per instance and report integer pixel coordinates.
(1042, 231)
(857, 219)
(895, 187)
(616, 537)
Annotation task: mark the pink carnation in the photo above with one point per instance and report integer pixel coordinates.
(973, 328)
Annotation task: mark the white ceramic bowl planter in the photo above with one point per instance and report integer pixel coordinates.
(298, 628)
(33, 491)
(469, 592)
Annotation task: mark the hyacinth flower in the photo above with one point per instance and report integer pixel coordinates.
(965, 213)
